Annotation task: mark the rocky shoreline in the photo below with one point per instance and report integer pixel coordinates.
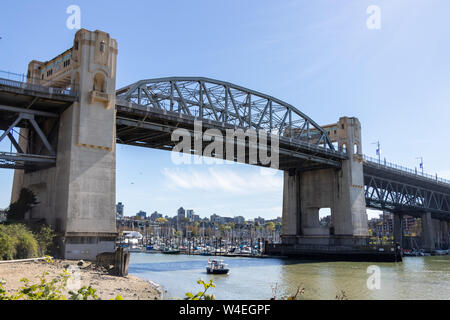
(107, 286)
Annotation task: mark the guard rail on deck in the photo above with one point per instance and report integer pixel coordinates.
(17, 80)
(35, 87)
(404, 170)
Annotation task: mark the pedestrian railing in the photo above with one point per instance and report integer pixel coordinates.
(16, 80)
(413, 172)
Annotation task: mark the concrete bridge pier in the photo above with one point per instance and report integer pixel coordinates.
(398, 229)
(428, 232)
(339, 191)
(291, 226)
(77, 196)
(445, 235)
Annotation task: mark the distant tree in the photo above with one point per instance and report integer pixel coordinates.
(16, 211)
(161, 220)
(270, 226)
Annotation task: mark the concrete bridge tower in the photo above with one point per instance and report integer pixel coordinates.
(77, 196)
(339, 191)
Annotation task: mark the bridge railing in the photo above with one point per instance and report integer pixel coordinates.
(414, 172)
(19, 81)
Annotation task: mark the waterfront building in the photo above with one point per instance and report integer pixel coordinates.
(214, 218)
(181, 214)
(411, 226)
(142, 214)
(119, 210)
(190, 214)
(155, 215)
(259, 221)
(239, 220)
(383, 226)
(225, 220)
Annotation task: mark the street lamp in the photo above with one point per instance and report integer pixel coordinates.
(421, 163)
(378, 151)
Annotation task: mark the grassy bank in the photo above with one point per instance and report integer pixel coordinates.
(19, 241)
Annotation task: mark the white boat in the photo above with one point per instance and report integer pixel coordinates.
(246, 250)
(134, 249)
(216, 267)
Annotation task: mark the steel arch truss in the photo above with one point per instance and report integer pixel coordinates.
(213, 100)
(385, 194)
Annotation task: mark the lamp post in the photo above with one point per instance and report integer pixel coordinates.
(378, 151)
(421, 163)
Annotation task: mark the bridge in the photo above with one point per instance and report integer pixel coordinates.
(71, 116)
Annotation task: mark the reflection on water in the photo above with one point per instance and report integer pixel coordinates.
(253, 278)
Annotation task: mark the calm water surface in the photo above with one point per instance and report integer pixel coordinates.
(253, 278)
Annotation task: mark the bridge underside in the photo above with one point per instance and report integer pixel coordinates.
(146, 127)
(36, 109)
(400, 193)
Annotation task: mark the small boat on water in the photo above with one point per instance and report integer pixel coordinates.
(170, 251)
(422, 253)
(135, 249)
(216, 267)
(438, 252)
(410, 253)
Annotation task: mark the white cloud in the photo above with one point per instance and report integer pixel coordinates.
(222, 180)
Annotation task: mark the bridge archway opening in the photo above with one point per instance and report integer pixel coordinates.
(225, 188)
(325, 217)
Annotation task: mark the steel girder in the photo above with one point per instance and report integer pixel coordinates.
(214, 100)
(24, 159)
(391, 195)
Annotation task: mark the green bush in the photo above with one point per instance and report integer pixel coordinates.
(7, 245)
(17, 242)
(45, 237)
(27, 246)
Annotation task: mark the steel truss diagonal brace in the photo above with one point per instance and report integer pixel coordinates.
(30, 118)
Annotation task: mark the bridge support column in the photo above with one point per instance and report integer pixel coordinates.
(428, 234)
(398, 229)
(77, 197)
(291, 207)
(445, 235)
(340, 191)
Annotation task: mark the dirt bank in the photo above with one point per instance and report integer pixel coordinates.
(108, 286)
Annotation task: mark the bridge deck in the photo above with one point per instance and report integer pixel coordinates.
(388, 187)
(148, 127)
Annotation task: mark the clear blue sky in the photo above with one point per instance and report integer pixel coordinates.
(317, 55)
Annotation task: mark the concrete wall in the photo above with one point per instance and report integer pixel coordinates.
(291, 205)
(340, 190)
(78, 195)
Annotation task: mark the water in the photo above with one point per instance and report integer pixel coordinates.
(253, 278)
